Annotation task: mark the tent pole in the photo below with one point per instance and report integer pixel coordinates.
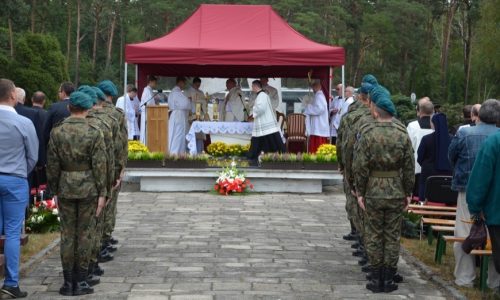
(125, 90)
(343, 82)
(330, 97)
(136, 75)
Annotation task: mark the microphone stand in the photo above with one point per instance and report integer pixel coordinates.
(152, 97)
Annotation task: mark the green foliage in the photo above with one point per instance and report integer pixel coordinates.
(404, 107)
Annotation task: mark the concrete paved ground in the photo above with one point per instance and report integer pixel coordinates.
(201, 246)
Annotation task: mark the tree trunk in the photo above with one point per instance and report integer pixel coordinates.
(446, 44)
(11, 38)
(77, 60)
(97, 11)
(33, 8)
(467, 49)
(68, 34)
(110, 40)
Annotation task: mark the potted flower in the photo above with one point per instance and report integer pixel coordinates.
(283, 161)
(145, 159)
(186, 161)
(43, 217)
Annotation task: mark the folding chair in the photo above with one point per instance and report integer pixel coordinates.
(296, 130)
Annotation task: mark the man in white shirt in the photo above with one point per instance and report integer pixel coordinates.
(234, 109)
(317, 125)
(416, 131)
(178, 124)
(349, 99)
(271, 92)
(131, 111)
(334, 109)
(146, 100)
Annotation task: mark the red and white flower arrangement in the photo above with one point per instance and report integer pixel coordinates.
(231, 180)
(43, 215)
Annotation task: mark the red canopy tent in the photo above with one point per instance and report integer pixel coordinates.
(234, 41)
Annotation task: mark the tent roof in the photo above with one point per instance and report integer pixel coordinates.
(252, 35)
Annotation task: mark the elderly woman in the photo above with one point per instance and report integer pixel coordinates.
(266, 132)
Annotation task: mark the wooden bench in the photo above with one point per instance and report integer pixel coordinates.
(439, 230)
(434, 213)
(431, 207)
(435, 222)
(484, 256)
(441, 246)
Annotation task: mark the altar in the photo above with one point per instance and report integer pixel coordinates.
(227, 132)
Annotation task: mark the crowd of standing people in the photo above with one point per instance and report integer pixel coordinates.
(80, 146)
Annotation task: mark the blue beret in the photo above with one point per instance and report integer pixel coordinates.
(381, 97)
(369, 78)
(365, 88)
(89, 91)
(108, 88)
(99, 93)
(80, 99)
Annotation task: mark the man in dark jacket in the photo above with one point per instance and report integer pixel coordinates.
(38, 100)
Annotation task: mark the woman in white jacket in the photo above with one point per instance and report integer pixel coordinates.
(266, 132)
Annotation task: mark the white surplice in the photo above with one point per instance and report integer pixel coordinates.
(317, 116)
(335, 104)
(147, 95)
(273, 96)
(178, 125)
(233, 107)
(130, 114)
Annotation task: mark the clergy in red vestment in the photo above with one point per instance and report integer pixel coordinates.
(317, 125)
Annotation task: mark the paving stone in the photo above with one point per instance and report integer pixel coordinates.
(198, 246)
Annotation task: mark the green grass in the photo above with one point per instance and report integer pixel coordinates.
(36, 243)
(425, 253)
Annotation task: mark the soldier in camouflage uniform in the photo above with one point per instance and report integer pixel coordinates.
(120, 151)
(383, 169)
(76, 173)
(99, 118)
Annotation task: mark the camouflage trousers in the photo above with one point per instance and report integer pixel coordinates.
(383, 231)
(97, 237)
(110, 216)
(78, 223)
(354, 212)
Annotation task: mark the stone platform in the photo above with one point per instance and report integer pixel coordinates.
(197, 180)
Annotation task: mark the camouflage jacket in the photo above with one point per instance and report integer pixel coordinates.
(383, 164)
(76, 160)
(120, 136)
(359, 117)
(101, 119)
(341, 132)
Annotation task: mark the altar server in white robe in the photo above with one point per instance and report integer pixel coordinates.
(317, 125)
(234, 109)
(178, 124)
(129, 99)
(270, 91)
(147, 96)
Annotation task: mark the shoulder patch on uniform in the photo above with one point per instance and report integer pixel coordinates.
(119, 109)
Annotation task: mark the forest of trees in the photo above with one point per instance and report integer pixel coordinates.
(445, 49)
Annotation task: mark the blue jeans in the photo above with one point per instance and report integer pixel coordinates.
(13, 202)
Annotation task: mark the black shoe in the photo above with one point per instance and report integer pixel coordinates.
(376, 284)
(67, 287)
(13, 291)
(105, 256)
(355, 245)
(366, 269)
(389, 284)
(358, 253)
(363, 261)
(350, 237)
(81, 287)
(111, 248)
(93, 279)
(397, 278)
(113, 241)
(98, 270)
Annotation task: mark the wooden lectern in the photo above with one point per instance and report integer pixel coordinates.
(157, 128)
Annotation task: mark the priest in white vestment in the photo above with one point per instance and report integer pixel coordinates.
(178, 124)
(146, 100)
(317, 125)
(130, 99)
(198, 100)
(266, 135)
(234, 109)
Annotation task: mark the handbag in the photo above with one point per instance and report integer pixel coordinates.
(477, 237)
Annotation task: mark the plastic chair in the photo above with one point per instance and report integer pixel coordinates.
(438, 190)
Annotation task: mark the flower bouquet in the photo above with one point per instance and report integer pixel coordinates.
(231, 180)
(43, 217)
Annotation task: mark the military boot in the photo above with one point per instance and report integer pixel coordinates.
(80, 285)
(366, 268)
(105, 256)
(389, 284)
(97, 270)
(376, 284)
(67, 287)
